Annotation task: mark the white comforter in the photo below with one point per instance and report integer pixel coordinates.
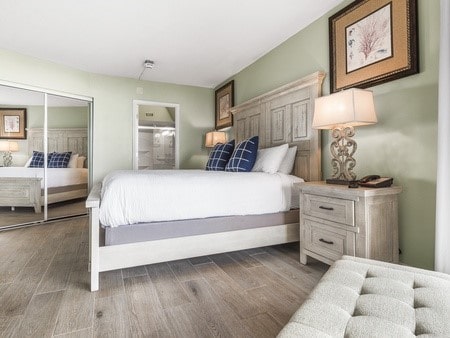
(130, 197)
(56, 177)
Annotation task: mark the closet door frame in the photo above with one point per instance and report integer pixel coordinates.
(46, 92)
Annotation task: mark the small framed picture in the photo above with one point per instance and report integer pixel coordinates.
(224, 103)
(13, 123)
(373, 42)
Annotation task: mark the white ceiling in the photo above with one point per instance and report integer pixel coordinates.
(193, 42)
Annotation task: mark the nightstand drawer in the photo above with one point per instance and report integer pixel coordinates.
(329, 208)
(327, 241)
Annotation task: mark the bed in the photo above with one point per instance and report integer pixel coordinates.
(23, 186)
(281, 116)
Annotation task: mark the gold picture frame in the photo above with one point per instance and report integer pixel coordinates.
(224, 103)
(373, 42)
(13, 123)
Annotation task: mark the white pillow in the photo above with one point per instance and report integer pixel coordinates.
(80, 161)
(287, 164)
(28, 162)
(268, 160)
(73, 161)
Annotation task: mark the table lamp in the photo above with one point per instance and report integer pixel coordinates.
(214, 137)
(7, 147)
(341, 112)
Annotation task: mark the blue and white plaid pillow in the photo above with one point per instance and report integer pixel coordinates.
(220, 155)
(59, 160)
(37, 160)
(244, 156)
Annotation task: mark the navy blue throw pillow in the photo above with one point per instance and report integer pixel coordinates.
(244, 156)
(219, 156)
(59, 160)
(37, 160)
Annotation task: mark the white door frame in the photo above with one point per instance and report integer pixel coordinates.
(136, 104)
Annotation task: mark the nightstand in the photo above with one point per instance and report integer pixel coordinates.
(336, 220)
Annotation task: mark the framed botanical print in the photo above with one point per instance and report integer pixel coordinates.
(13, 123)
(224, 103)
(373, 42)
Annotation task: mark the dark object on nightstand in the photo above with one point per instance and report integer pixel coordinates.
(353, 184)
(375, 181)
(337, 181)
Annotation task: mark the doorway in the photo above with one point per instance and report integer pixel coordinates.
(156, 135)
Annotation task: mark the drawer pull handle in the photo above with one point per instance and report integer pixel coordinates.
(325, 241)
(326, 208)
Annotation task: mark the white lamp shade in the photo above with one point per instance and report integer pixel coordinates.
(13, 146)
(4, 146)
(352, 107)
(214, 137)
(9, 146)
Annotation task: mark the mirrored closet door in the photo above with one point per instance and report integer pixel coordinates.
(67, 144)
(21, 182)
(48, 176)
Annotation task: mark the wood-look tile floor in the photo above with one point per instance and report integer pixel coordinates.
(44, 290)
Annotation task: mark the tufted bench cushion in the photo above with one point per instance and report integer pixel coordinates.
(365, 298)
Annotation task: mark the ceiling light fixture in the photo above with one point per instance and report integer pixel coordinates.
(148, 64)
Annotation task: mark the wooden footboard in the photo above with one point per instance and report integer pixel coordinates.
(27, 192)
(21, 192)
(105, 258)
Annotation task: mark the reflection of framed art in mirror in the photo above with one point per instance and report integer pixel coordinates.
(13, 123)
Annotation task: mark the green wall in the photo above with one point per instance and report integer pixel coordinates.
(113, 105)
(401, 145)
(58, 117)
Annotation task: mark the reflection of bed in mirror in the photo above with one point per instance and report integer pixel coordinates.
(24, 187)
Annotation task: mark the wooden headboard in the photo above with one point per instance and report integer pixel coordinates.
(284, 115)
(59, 140)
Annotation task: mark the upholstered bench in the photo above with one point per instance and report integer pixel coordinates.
(365, 298)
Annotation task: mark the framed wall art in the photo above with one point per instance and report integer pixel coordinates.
(373, 42)
(224, 103)
(13, 123)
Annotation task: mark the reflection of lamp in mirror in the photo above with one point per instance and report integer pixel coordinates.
(341, 112)
(7, 147)
(214, 137)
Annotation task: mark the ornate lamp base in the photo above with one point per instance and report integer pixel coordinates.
(7, 159)
(342, 149)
